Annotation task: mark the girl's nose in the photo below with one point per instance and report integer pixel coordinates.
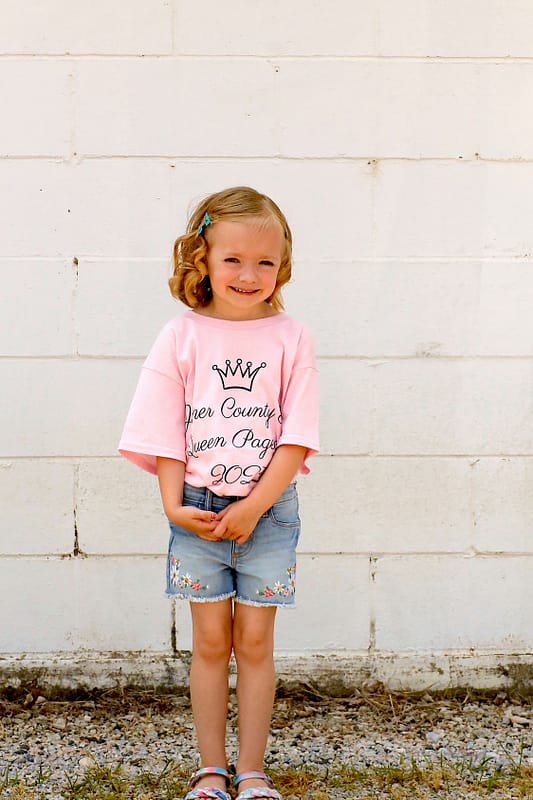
(247, 272)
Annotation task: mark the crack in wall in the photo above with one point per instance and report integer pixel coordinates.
(76, 550)
(372, 610)
(173, 630)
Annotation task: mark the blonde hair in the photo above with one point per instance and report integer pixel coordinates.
(190, 280)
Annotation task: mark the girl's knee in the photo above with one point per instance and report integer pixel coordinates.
(212, 631)
(212, 646)
(253, 645)
(253, 633)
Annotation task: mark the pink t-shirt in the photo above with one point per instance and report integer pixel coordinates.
(221, 395)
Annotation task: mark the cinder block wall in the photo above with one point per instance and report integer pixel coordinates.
(398, 138)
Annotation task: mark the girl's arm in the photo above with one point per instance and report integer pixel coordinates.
(238, 520)
(171, 476)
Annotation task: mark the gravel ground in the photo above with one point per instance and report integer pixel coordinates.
(143, 731)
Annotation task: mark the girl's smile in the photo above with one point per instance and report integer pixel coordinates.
(243, 261)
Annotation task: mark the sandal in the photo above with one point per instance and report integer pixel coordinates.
(208, 792)
(257, 792)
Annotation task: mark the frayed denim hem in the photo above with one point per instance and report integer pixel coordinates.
(257, 604)
(180, 596)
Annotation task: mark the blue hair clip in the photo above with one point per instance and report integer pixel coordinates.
(204, 223)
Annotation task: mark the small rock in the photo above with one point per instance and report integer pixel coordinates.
(516, 715)
(518, 720)
(434, 736)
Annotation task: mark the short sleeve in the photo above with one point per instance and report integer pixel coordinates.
(300, 423)
(155, 425)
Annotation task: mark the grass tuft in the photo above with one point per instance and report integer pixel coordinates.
(438, 779)
(113, 783)
(442, 781)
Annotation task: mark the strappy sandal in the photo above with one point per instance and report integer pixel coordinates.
(206, 791)
(257, 792)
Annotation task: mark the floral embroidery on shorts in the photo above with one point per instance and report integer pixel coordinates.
(183, 581)
(279, 588)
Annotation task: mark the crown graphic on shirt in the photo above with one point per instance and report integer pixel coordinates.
(238, 376)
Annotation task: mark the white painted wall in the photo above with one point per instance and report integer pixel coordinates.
(398, 138)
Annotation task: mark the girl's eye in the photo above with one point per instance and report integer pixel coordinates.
(265, 264)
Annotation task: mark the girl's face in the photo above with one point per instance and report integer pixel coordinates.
(243, 260)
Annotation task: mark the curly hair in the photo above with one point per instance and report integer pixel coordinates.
(190, 280)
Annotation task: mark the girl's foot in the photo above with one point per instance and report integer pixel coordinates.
(211, 781)
(255, 785)
(214, 778)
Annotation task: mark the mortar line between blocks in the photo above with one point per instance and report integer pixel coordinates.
(343, 58)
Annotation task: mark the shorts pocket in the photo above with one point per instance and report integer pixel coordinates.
(285, 512)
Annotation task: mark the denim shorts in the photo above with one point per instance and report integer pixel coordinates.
(260, 572)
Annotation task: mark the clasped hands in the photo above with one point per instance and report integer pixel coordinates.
(236, 521)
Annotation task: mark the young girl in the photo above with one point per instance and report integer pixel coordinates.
(225, 413)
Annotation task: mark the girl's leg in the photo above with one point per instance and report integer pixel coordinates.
(212, 642)
(253, 645)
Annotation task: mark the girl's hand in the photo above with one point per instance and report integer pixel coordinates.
(202, 523)
(236, 521)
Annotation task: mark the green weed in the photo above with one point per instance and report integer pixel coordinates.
(443, 780)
